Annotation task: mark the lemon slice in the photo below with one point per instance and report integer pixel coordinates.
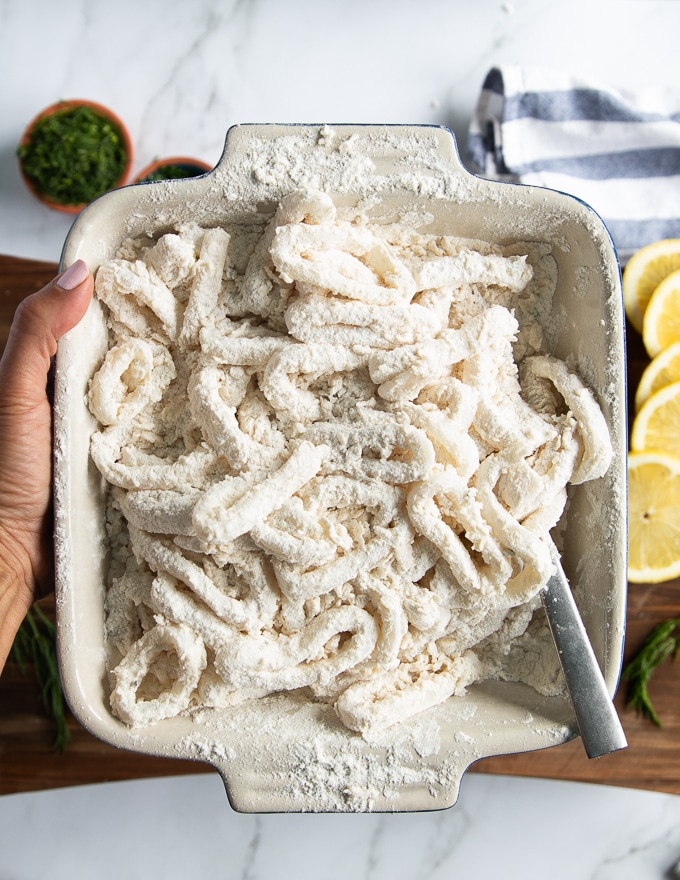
(657, 424)
(644, 271)
(653, 517)
(661, 320)
(664, 369)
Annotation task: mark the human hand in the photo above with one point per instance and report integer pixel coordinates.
(26, 554)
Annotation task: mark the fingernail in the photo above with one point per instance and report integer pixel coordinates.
(74, 275)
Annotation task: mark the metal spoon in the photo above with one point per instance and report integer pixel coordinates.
(597, 720)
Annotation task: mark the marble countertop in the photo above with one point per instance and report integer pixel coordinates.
(180, 74)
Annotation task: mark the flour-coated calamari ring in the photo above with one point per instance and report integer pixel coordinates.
(391, 697)
(297, 584)
(393, 620)
(286, 395)
(524, 544)
(219, 517)
(334, 491)
(143, 659)
(294, 535)
(124, 599)
(366, 450)
(181, 607)
(159, 511)
(108, 448)
(510, 423)
(305, 532)
(138, 298)
(257, 420)
(172, 258)
(449, 434)
(206, 285)
(209, 389)
(529, 484)
(546, 517)
(257, 290)
(445, 498)
(134, 374)
(244, 351)
(470, 267)
(403, 372)
(289, 662)
(253, 612)
(348, 260)
(212, 692)
(592, 426)
(316, 317)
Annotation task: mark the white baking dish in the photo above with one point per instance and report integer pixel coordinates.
(291, 755)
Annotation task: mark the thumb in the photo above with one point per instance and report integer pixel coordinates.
(39, 321)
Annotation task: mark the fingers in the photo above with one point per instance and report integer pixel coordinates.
(39, 322)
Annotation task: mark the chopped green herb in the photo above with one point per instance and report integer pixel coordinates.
(173, 172)
(74, 155)
(35, 644)
(662, 642)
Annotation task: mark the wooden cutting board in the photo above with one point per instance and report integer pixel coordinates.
(28, 763)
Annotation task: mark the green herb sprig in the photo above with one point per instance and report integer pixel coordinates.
(172, 172)
(35, 644)
(74, 155)
(662, 642)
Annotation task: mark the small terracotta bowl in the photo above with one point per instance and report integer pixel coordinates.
(187, 166)
(65, 106)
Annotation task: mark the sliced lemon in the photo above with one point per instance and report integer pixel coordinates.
(653, 517)
(664, 369)
(661, 320)
(645, 270)
(657, 424)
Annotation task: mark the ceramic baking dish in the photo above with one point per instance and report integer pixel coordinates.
(288, 754)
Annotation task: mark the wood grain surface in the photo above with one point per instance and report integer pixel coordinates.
(652, 760)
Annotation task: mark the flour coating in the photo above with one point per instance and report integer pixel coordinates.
(336, 470)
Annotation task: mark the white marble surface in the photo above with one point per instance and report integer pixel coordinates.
(179, 74)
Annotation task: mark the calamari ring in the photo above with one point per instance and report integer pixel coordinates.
(172, 258)
(458, 502)
(109, 447)
(391, 697)
(142, 659)
(350, 261)
(403, 372)
(471, 267)
(242, 351)
(297, 584)
(317, 317)
(206, 285)
(524, 544)
(219, 517)
(366, 450)
(257, 288)
(160, 511)
(209, 390)
(592, 426)
(311, 359)
(289, 662)
(134, 374)
(138, 298)
(253, 612)
(305, 531)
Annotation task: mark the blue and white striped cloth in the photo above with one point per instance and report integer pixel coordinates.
(618, 152)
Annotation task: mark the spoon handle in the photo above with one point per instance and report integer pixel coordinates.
(597, 720)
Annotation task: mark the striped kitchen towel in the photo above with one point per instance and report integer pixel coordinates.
(618, 152)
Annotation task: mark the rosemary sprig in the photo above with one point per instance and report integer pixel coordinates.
(662, 642)
(73, 155)
(35, 644)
